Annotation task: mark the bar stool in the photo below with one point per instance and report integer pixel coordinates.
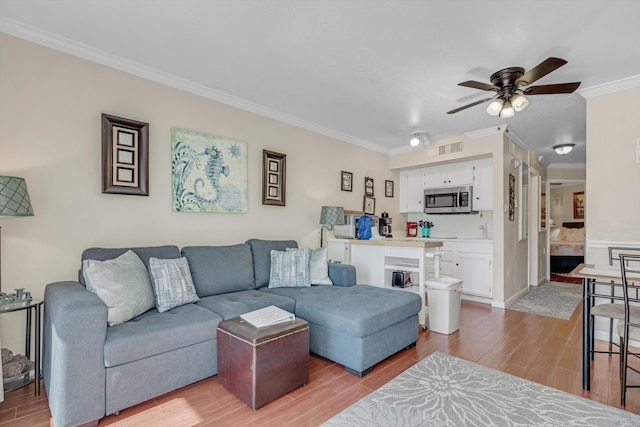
(629, 327)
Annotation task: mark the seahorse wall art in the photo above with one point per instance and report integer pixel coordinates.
(209, 173)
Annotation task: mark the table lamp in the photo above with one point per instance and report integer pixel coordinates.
(330, 216)
(14, 201)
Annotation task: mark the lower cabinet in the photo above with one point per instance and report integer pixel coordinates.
(469, 262)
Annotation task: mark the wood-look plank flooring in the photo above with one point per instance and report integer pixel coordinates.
(540, 349)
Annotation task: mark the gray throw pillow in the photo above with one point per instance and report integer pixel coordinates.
(172, 283)
(289, 269)
(122, 283)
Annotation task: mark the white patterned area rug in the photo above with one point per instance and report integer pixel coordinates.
(443, 390)
(551, 299)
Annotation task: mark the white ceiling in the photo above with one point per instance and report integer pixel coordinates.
(366, 71)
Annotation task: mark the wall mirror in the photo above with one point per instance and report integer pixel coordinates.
(542, 203)
(523, 196)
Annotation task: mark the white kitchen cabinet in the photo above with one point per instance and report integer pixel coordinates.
(338, 251)
(412, 191)
(369, 263)
(483, 185)
(452, 175)
(469, 262)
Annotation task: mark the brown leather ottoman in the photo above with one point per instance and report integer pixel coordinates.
(260, 365)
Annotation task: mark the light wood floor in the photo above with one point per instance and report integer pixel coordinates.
(541, 349)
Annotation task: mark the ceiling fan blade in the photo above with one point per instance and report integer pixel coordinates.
(540, 70)
(473, 104)
(551, 89)
(479, 85)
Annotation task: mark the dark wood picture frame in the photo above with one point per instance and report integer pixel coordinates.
(125, 156)
(368, 186)
(346, 181)
(369, 205)
(578, 205)
(274, 178)
(388, 188)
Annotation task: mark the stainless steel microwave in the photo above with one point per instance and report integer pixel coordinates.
(448, 200)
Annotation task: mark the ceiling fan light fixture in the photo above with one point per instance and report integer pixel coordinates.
(507, 111)
(519, 102)
(494, 108)
(563, 149)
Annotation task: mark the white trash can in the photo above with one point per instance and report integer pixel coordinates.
(443, 295)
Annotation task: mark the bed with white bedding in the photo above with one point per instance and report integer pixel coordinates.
(566, 247)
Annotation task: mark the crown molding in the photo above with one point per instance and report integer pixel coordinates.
(610, 87)
(71, 47)
(493, 130)
(567, 166)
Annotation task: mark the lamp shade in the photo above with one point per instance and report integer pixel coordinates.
(332, 215)
(14, 197)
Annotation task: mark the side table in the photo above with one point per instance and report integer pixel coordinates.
(33, 306)
(259, 365)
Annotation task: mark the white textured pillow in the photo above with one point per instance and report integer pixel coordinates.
(172, 283)
(289, 269)
(318, 266)
(122, 283)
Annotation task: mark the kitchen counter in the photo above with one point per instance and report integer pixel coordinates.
(401, 242)
(444, 239)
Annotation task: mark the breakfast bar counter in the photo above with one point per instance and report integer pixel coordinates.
(404, 243)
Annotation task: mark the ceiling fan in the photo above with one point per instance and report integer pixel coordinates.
(509, 84)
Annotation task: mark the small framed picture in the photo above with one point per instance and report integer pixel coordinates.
(388, 188)
(274, 178)
(369, 205)
(346, 179)
(368, 186)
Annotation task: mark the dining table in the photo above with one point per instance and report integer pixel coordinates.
(594, 275)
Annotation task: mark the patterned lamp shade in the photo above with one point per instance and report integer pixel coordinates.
(332, 215)
(14, 197)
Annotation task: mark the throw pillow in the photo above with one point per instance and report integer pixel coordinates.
(122, 283)
(172, 283)
(289, 269)
(318, 267)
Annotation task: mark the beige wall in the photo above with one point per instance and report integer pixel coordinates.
(50, 134)
(613, 177)
(561, 203)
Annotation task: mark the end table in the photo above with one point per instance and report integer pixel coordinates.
(33, 306)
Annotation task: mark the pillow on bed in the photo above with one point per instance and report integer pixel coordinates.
(574, 235)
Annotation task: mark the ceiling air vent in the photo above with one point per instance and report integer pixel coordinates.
(443, 150)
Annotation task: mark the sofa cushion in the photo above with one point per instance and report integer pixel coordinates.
(289, 269)
(261, 250)
(220, 269)
(172, 284)
(318, 266)
(122, 283)
(155, 333)
(236, 303)
(355, 310)
(144, 253)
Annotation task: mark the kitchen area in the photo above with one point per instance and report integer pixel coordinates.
(453, 206)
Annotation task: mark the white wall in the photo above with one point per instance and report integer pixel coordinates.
(50, 134)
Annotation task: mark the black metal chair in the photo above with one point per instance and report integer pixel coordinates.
(629, 327)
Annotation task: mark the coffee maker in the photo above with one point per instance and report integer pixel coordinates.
(384, 225)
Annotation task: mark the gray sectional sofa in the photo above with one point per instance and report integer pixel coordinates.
(92, 369)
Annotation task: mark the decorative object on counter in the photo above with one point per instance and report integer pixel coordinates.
(412, 229)
(274, 179)
(578, 205)
(368, 186)
(209, 173)
(330, 216)
(365, 222)
(384, 225)
(14, 201)
(17, 297)
(346, 181)
(388, 188)
(369, 205)
(426, 228)
(125, 156)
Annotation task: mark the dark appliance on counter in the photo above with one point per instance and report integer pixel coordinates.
(448, 200)
(384, 225)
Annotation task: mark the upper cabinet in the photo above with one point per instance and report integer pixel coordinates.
(483, 185)
(412, 191)
(452, 175)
